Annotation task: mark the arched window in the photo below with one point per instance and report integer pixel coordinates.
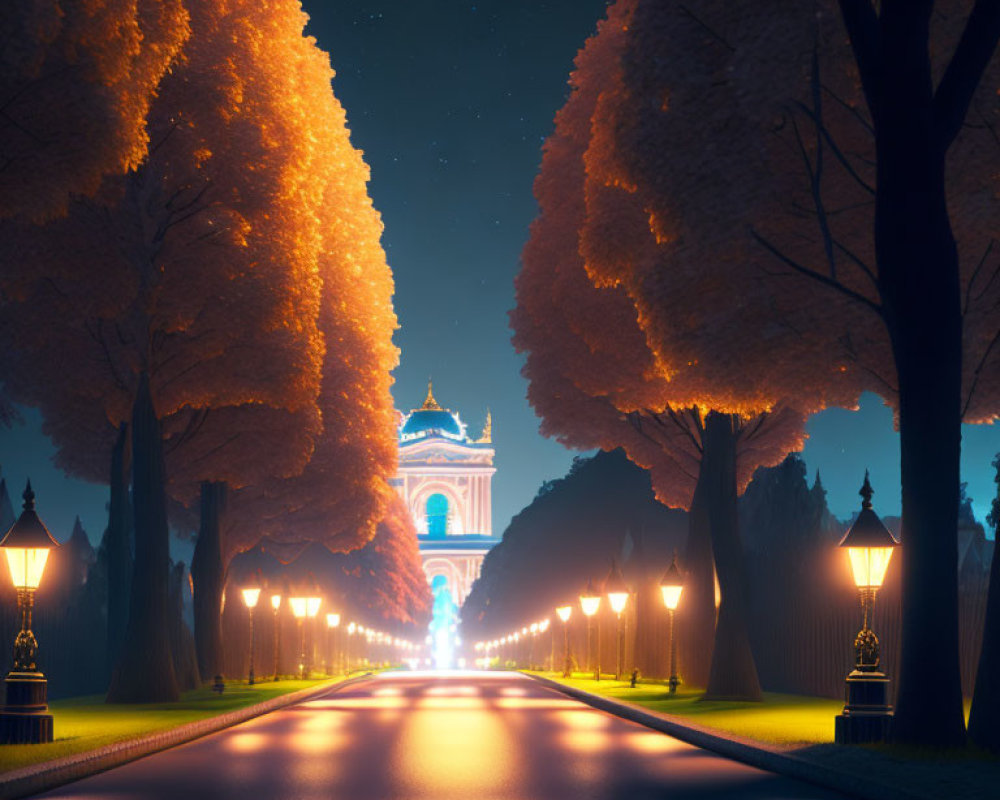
(437, 516)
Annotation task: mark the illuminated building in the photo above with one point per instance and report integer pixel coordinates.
(445, 477)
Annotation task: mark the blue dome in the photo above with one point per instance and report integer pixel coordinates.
(431, 421)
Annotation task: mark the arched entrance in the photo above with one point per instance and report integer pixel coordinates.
(437, 516)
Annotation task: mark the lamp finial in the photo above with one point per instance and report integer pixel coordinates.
(29, 497)
(866, 493)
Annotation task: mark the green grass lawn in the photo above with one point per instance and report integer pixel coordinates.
(85, 723)
(781, 719)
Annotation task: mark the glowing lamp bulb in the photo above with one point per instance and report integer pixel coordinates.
(298, 605)
(312, 606)
(869, 565)
(332, 620)
(869, 544)
(671, 585)
(26, 565)
(275, 601)
(251, 596)
(534, 627)
(618, 601)
(564, 612)
(590, 604)
(27, 545)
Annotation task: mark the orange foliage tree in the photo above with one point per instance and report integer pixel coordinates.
(595, 382)
(791, 208)
(201, 284)
(386, 575)
(76, 83)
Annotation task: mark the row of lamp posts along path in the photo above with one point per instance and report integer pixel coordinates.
(305, 608)
(25, 717)
(867, 713)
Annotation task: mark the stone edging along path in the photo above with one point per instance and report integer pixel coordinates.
(753, 753)
(50, 774)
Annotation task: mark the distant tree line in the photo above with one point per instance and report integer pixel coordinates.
(801, 604)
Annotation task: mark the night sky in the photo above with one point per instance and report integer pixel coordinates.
(451, 103)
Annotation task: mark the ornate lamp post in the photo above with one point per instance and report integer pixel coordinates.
(867, 712)
(251, 595)
(671, 586)
(565, 612)
(533, 627)
(332, 625)
(276, 606)
(23, 719)
(298, 605)
(617, 592)
(313, 602)
(543, 626)
(590, 604)
(351, 630)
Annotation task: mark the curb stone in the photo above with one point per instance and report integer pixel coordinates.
(48, 775)
(739, 749)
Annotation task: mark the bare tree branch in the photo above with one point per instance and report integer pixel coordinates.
(969, 61)
(817, 276)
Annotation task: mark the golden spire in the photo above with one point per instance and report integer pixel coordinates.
(487, 437)
(430, 404)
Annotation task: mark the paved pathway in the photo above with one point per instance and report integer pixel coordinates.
(438, 736)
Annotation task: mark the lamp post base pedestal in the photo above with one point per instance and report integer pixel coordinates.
(867, 715)
(23, 719)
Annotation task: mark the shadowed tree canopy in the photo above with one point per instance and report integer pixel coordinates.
(801, 206)
(76, 83)
(569, 531)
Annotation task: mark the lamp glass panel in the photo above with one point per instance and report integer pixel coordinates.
(250, 597)
(275, 601)
(671, 596)
(298, 605)
(333, 620)
(312, 605)
(26, 565)
(869, 565)
(564, 612)
(590, 605)
(618, 601)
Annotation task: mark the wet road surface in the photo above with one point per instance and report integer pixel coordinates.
(438, 736)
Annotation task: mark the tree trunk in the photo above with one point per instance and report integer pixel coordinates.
(733, 673)
(207, 580)
(921, 301)
(119, 549)
(984, 720)
(181, 641)
(145, 670)
(696, 614)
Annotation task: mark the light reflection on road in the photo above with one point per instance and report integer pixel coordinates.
(440, 736)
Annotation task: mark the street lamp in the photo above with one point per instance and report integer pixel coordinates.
(332, 624)
(276, 605)
(23, 719)
(251, 595)
(671, 585)
(617, 592)
(564, 613)
(298, 605)
(867, 713)
(313, 602)
(351, 630)
(590, 604)
(533, 627)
